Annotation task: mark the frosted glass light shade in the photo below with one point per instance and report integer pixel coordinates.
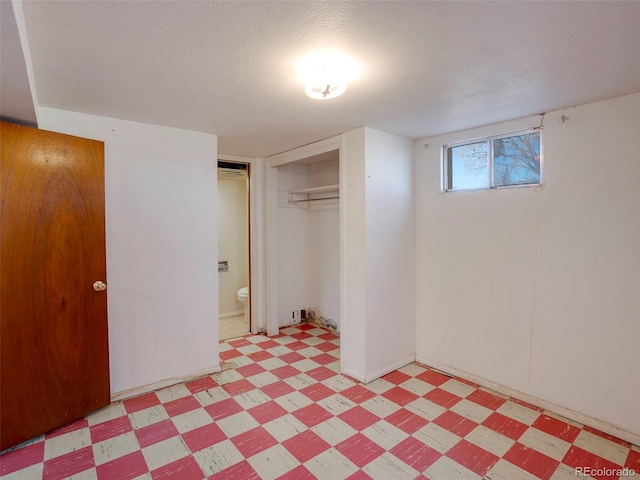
(324, 90)
(326, 75)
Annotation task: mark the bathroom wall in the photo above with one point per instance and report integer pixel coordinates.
(538, 288)
(160, 197)
(232, 244)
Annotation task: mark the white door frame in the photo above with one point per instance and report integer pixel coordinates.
(257, 243)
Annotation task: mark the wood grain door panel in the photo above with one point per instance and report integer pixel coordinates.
(54, 342)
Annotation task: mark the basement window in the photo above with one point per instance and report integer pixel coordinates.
(508, 160)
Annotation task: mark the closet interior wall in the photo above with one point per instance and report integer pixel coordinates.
(308, 242)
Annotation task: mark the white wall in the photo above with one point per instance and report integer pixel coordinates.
(353, 351)
(378, 253)
(324, 243)
(293, 245)
(538, 289)
(161, 246)
(232, 243)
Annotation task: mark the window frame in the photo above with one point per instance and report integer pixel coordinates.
(444, 186)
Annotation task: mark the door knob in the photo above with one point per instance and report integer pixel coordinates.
(99, 286)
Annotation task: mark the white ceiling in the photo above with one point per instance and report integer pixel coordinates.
(229, 67)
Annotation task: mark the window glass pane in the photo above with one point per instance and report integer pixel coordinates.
(467, 166)
(516, 160)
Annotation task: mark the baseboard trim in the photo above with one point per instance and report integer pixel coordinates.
(231, 314)
(150, 387)
(316, 323)
(352, 374)
(537, 402)
(367, 378)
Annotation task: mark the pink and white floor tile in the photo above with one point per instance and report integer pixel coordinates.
(281, 410)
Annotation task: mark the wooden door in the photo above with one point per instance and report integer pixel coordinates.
(54, 352)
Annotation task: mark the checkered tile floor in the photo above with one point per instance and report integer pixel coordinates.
(282, 411)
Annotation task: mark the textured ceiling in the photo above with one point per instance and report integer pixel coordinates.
(229, 67)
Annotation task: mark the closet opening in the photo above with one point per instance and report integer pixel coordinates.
(234, 255)
(305, 232)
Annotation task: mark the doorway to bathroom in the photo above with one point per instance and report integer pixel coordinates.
(234, 312)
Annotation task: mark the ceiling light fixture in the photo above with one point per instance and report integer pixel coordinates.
(326, 75)
(325, 84)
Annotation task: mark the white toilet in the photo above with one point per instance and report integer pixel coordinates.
(243, 297)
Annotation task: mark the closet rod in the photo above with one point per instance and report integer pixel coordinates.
(313, 199)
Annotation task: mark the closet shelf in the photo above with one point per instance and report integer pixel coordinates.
(322, 189)
(314, 190)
